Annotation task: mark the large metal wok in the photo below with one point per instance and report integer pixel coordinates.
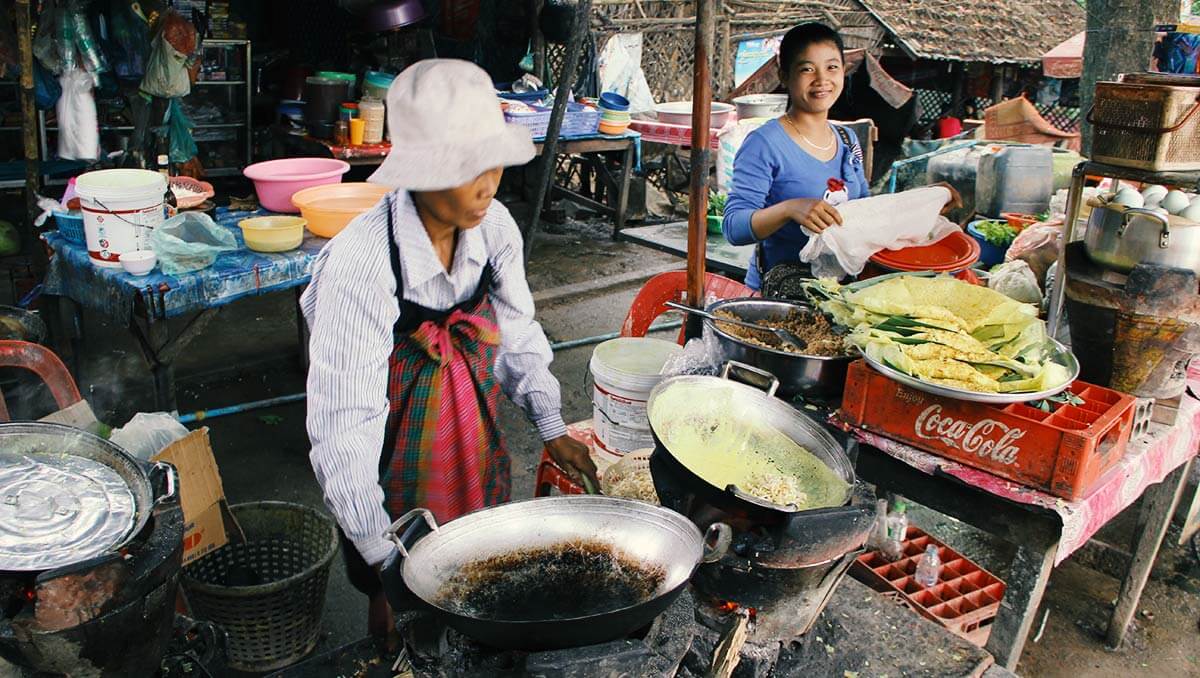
(701, 403)
(528, 602)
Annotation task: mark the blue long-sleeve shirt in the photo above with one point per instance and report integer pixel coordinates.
(770, 168)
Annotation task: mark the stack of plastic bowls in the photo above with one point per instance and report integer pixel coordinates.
(614, 113)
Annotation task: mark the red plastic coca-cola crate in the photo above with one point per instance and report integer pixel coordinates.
(965, 600)
(1063, 452)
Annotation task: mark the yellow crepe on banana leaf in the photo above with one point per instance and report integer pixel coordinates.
(945, 331)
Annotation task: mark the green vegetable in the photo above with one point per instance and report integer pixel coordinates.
(996, 233)
(716, 203)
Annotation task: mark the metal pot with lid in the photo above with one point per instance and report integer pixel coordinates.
(1119, 238)
(67, 496)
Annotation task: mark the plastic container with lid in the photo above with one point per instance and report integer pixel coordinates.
(372, 111)
(1016, 178)
(624, 372)
(348, 80)
(321, 99)
(376, 84)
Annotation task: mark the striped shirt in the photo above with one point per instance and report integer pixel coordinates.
(351, 308)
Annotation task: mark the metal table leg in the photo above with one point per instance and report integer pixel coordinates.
(1027, 582)
(1158, 505)
(160, 350)
(623, 190)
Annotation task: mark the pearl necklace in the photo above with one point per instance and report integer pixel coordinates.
(806, 140)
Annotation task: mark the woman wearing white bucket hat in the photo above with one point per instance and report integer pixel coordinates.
(420, 315)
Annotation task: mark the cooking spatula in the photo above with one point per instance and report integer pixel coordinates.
(783, 335)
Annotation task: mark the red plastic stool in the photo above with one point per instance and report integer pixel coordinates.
(651, 301)
(42, 362)
(550, 476)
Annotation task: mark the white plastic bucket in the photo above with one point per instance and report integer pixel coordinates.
(121, 208)
(624, 371)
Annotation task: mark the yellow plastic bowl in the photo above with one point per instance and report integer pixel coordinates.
(273, 234)
(329, 208)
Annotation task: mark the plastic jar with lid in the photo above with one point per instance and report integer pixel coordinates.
(372, 112)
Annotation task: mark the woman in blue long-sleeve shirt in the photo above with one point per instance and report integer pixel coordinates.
(791, 173)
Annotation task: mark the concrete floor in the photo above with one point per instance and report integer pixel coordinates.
(250, 352)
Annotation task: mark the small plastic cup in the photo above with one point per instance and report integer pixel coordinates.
(358, 128)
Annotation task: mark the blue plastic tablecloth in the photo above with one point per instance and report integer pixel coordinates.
(628, 134)
(234, 275)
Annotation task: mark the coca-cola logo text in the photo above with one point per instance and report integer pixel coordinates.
(986, 438)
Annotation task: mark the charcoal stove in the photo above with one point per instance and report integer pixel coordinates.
(436, 650)
(107, 616)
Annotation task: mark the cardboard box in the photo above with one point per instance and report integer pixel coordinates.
(200, 494)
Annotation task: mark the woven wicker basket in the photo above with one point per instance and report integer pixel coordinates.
(1150, 127)
(267, 593)
(632, 463)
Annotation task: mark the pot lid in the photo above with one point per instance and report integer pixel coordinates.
(58, 508)
(955, 252)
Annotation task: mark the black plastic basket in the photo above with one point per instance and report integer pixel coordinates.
(268, 592)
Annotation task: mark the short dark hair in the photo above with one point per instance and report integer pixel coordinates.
(799, 38)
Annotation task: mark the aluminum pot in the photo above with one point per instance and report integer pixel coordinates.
(761, 106)
(59, 506)
(812, 376)
(428, 557)
(1120, 238)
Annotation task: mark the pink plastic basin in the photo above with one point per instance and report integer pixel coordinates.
(276, 181)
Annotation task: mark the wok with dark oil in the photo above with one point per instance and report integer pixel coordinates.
(548, 573)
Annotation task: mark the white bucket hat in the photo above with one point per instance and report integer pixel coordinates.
(447, 128)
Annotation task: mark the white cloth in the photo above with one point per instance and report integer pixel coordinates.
(892, 221)
(78, 135)
(351, 308)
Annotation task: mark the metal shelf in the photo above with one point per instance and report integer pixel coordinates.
(104, 128)
(223, 172)
(245, 83)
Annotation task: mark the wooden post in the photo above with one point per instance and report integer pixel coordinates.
(698, 189)
(583, 12)
(28, 113)
(997, 84)
(1119, 40)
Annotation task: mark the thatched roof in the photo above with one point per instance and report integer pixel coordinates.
(992, 31)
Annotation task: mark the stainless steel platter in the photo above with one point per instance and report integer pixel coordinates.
(1058, 352)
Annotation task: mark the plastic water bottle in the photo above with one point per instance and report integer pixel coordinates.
(897, 530)
(929, 567)
(878, 536)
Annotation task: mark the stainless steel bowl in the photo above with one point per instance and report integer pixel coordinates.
(812, 376)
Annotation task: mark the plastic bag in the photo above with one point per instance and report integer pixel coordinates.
(46, 88)
(166, 71)
(1016, 280)
(78, 135)
(620, 67)
(179, 129)
(48, 43)
(1037, 246)
(703, 356)
(148, 433)
(190, 241)
(730, 142)
(131, 38)
(885, 222)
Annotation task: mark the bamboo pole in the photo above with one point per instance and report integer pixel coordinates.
(28, 113)
(566, 79)
(698, 198)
